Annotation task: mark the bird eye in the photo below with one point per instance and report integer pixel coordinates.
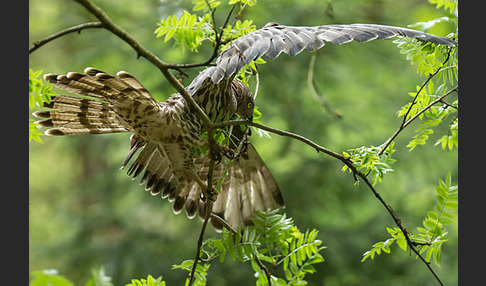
(249, 105)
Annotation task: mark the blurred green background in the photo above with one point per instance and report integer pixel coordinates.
(86, 213)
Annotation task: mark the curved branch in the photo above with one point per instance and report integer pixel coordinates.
(346, 160)
(307, 141)
(313, 89)
(77, 28)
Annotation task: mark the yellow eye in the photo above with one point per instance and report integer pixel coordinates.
(249, 105)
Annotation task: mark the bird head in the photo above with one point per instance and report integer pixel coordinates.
(244, 100)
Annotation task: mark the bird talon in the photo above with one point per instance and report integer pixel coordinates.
(211, 194)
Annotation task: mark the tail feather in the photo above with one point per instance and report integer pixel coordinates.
(247, 184)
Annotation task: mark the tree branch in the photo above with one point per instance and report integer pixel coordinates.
(77, 28)
(307, 141)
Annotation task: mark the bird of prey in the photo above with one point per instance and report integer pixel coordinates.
(166, 134)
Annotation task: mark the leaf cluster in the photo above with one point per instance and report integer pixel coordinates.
(272, 242)
(423, 55)
(190, 30)
(432, 234)
(39, 92)
(150, 281)
(369, 160)
(49, 277)
(434, 114)
(450, 5)
(441, 64)
(52, 277)
(200, 274)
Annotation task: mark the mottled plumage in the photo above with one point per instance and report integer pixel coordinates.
(166, 134)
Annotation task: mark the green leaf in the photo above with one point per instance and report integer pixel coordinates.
(49, 277)
(205, 4)
(433, 215)
(402, 243)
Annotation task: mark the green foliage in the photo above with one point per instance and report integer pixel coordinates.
(39, 92)
(206, 5)
(244, 2)
(441, 65)
(50, 277)
(368, 159)
(150, 281)
(273, 240)
(188, 31)
(450, 5)
(435, 114)
(199, 275)
(384, 246)
(426, 56)
(431, 109)
(450, 140)
(432, 234)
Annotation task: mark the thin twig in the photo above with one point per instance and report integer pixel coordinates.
(77, 28)
(207, 215)
(208, 193)
(312, 88)
(264, 268)
(223, 222)
(208, 209)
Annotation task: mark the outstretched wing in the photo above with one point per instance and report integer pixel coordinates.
(247, 185)
(273, 39)
(122, 97)
(70, 115)
(110, 101)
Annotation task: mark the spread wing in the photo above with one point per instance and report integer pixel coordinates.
(109, 103)
(273, 39)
